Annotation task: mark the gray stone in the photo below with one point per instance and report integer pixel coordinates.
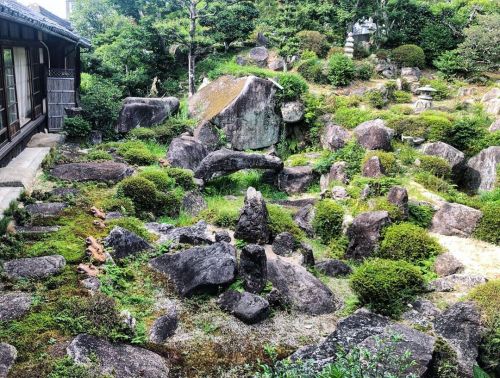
(46, 210)
(14, 305)
(125, 243)
(222, 236)
(374, 135)
(34, 267)
(33, 231)
(456, 282)
(307, 253)
(481, 170)
(411, 74)
(113, 215)
(259, 56)
(199, 269)
(495, 126)
(304, 219)
(8, 355)
(493, 107)
(247, 307)
(186, 152)
(339, 193)
(398, 196)
(193, 203)
(107, 171)
(253, 225)
(117, 360)
(304, 292)
(292, 112)
(194, 235)
(253, 268)
(145, 112)
(284, 244)
(453, 219)
(334, 137)
(455, 157)
(373, 168)
(64, 192)
(294, 180)
(422, 313)
(460, 326)
(277, 64)
(243, 109)
(446, 264)
(91, 283)
(364, 234)
(338, 173)
(41, 140)
(209, 135)
(333, 268)
(261, 40)
(164, 327)
(224, 162)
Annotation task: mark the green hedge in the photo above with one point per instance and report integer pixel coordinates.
(327, 222)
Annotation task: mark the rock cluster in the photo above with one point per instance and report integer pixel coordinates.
(253, 225)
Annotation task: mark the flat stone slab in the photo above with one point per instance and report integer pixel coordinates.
(37, 230)
(46, 140)
(108, 171)
(14, 305)
(34, 267)
(46, 210)
(21, 171)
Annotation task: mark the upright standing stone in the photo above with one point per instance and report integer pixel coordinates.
(253, 223)
(253, 268)
(398, 196)
(364, 234)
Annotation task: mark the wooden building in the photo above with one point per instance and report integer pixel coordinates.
(39, 73)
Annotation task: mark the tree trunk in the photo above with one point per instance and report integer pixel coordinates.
(192, 48)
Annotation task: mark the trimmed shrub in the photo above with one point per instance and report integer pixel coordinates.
(352, 117)
(169, 203)
(383, 204)
(402, 97)
(327, 222)
(142, 192)
(77, 127)
(406, 241)
(281, 220)
(142, 133)
(363, 70)
(160, 178)
(122, 204)
(408, 56)
(487, 297)
(308, 54)
(313, 41)
(441, 86)
(438, 126)
(436, 165)
(340, 70)
(489, 225)
(376, 99)
(420, 215)
(387, 159)
(431, 182)
(139, 156)
(312, 70)
(182, 177)
(452, 64)
(99, 155)
(133, 225)
(293, 87)
(408, 126)
(335, 50)
(386, 286)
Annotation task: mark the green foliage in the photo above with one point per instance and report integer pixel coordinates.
(97, 155)
(132, 224)
(409, 126)
(182, 177)
(420, 215)
(441, 86)
(438, 126)
(436, 38)
(136, 152)
(341, 70)
(445, 360)
(408, 56)
(376, 99)
(352, 117)
(488, 228)
(313, 70)
(363, 70)
(387, 160)
(160, 178)
(328, 218)
(164, 133)
(352, 153)
(222, 212)
(77, 127)
(436, 165)
(451, 64)
(293, 87)
(169, 203)
(467, 134)
(122, 204)
(66, 367)
(141, 191)
(431, 182)
(386, 286)
(406, 241)
(11, 246)
(312, 40)
(402, 97)
(487, 297)
(281, 220)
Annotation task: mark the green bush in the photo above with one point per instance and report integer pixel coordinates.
(406, 241)
(408, 56)
(431, 182)
(122, 204)
(341, 70)
(281, 220)
(439, 127)
(352, 117)
(441, 86)
(142, 192)
(139, 156)
(308, 54)
(376, 99)
(312, 70)
(387, 160)
(169, 203)
(142, 133)
(386, 286)
(436, 165)
(467, 134)
(363, 70)
(327, 222)
(293, 87)
(160, 178)
(182, 177)
(311, 40)
(452, 64)
(133, 225)
(420, 215)
(402, 97)
(77, 127)
(352, 153)
(99, 155)
(489, 225)
(408, 126)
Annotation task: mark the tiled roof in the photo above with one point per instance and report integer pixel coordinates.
(12, 10)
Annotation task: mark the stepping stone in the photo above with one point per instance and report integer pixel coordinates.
(34, 267)
(46, 140)
(14, 305)
(36, 230)
(46, 210)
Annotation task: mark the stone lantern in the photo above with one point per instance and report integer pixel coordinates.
(349, 46)
(424, 101)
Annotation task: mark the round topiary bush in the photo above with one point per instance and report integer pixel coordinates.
(489, 225)
(170, 203)
(408, 56)
(141, 191)
(436, 165)
(340, 70)
(386, 286)
(160, 178)
(293, 87)
(182, 177)
(409, 126)
(364, 70)
(327, 222)
(77, 127)
(139, 156)
(406, 241)
(312, 40)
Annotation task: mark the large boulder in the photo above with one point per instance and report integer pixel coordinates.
(453, 219)
(495, 126)
(481, 170)
(334, 137)
(449, 153)
(107, 171)
(116, 360)
(446, 264)
(34, 267)
(373, 168)
(333, 268)
(398, 196)
(292, 112)
(194, 235)
(456, 282)
(364, 234)
(253, 225)
(259, 56)
(186, 152)
(224, 162)
(411, 74)
(491, 101)
(460, 326)
(247, 307)
(8, 355)
(14, 305)
(374, 135)
(164, 327)
(241, 109)
(125, 243)
(293, 180)
(304, 219)
(253, 268)
(284, 244)
(199, 269)
(300, 289)
(338, 173)
(145, 112)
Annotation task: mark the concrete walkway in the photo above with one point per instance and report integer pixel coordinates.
(20, 173)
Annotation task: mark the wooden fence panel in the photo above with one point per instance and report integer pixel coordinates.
(60, 95)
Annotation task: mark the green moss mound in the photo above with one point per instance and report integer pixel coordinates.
(141, 191)
(327, 222)
(280, 220)
(386, 286)
(436, 165)
(489, 225)
(409, 56)
(160, 178)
